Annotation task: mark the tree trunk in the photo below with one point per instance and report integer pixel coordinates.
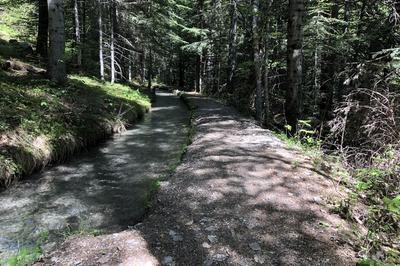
(181, 82)
(101, 53)
(56, 65)
(198, 74)
(232, 57)
(150, 72)
(43, 29)
(329, 86)
(77, 34)
(112, 45)
(143, 67)
(317, 74)
(257, 61)
(294, 62)
(266, 118)
(130, 67)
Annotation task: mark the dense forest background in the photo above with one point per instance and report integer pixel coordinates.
(326, 72)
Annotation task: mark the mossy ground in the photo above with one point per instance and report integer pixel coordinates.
(41, 122)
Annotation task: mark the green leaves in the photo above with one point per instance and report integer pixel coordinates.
(393, 205)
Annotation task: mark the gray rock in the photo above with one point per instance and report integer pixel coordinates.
(317, 200)
(211, 228)
(220, 257)
(206, 245)
(212, 238)
(259, 259)
(255, 246)
(175, 236)
(168, 260)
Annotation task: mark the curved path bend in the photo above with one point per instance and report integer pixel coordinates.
(239, 198)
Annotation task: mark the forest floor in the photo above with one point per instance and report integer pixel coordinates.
(240, 197)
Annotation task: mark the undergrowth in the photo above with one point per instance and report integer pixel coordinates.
(15, 20)
(373, 201)
(27, 255)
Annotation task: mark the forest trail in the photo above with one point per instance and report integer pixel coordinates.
(239, 198)
(104, 189)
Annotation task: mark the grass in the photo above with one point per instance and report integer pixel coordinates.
(26, 256)
(41, 122)
(82, 230)
(17, 20)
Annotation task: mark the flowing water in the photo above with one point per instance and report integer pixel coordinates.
(105, 188)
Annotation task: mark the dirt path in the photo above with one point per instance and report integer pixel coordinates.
(239, 198)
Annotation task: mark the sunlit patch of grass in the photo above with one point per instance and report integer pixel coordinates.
(25, 255)
(16, 20)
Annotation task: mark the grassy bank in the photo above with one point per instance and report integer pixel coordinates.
(42, 123)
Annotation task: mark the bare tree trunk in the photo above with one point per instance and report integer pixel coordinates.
(43, 29)
(346, 14)
(56, 65)
(232, 57)
(294, 62)
(150, 72)
(181, 82)
(143, 66)
(317, 74)
(329, 86)
(198, 74)
(130, 67)
(257, 61)
(201, 65)
(78, 34)
(101, 53)
(266, 118)
(112, 45)
(83, 8)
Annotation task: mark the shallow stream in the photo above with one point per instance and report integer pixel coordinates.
(103, 189)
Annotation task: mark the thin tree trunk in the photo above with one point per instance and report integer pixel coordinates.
(83, 8)
(56, 65)
(198, 74)
(112, 45)
(150, 72)
(101, 53)
(266, 118)
(130, 67)
(181, 82)
(77, 34)
(346, 14)
(257, 61)
(143, 67)
(294, 62)
(317, 74)
(329, 86)
(43, 29)
(232, 57)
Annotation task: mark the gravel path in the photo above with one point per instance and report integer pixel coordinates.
(239, 198)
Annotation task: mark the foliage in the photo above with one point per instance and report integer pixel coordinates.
(26, 256)
(16, 19)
